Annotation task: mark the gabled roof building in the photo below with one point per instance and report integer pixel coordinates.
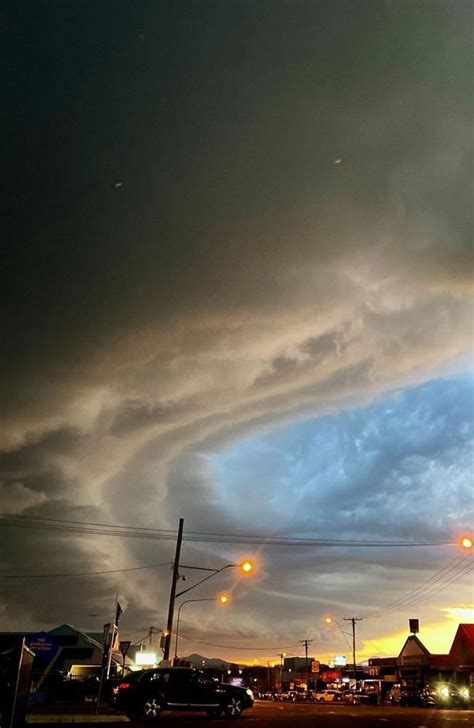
(416, 666)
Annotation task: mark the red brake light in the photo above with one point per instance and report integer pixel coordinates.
(123, 686)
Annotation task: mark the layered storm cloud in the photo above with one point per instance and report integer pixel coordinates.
(238, 290)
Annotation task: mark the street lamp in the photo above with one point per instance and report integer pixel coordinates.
(246, 567)
(466, 542)
(221, 599)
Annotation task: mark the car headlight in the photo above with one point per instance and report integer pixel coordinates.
(444, 692)
(464, 693)
(249, 693)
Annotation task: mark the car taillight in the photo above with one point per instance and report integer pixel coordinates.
(123, 686)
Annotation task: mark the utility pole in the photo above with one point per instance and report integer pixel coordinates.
(169, 626)
(354, 620)
(151, 632)
(281, 655)
(306, 643)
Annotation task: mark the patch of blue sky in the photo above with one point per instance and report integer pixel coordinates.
(401, 465)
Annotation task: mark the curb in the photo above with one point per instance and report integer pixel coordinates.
(67, 718)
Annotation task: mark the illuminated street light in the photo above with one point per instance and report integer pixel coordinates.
(328, 620)
(466, 542)
(221, 599)
(246, 567)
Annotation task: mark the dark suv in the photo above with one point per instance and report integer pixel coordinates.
(145, 694)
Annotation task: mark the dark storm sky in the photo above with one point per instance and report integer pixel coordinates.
(187, 267)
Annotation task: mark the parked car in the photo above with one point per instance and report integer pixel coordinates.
(145, 694)
(405, 696)
(327, 696)
(350, 696)
(298, 695)
(266, 695)
(444, 695)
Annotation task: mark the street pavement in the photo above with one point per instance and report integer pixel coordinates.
(283, 715)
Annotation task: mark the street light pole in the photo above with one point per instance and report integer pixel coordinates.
(187, 601)
(246, 567)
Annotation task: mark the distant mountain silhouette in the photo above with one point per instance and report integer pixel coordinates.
(196, 659)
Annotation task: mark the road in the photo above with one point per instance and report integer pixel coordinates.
(287, 715)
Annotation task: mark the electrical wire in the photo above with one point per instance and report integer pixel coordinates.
(453, 570)
(229, 647)
(335, 623)
(452, 564)
(87, 528)
(441, 587)
(82, 573)
(371, 642)
(137, 631)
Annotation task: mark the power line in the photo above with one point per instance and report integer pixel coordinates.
(85, 523)
(454, 570)
(344, 634)
(452, 564)
(82, 573)
(366, 639)
(86, 528)
(440, 587)
(137, 631)
(244, 648)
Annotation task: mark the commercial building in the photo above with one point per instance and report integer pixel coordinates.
(68, 651)
(415, 666)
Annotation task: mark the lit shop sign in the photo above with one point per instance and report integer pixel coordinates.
(146, 658)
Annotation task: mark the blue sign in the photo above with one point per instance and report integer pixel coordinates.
(43, 645)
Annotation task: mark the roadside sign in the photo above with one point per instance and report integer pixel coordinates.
(414, 625)
(43, 645)
(315, 666)
(124, 647)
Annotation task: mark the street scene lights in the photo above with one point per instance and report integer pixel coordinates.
(466, 542)
(221, 599)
